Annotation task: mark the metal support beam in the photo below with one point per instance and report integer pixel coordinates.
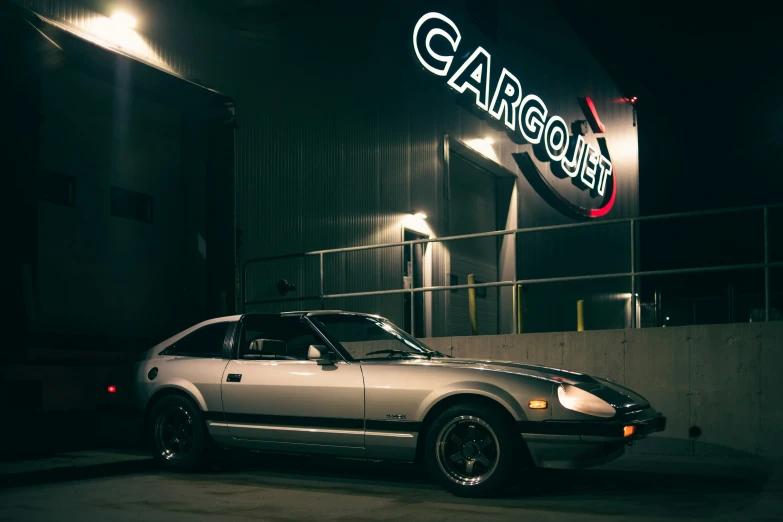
(413, 300)
(321, 279)
(633, 274)
(520, 310)
(766, 265)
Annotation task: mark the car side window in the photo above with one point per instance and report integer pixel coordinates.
(276, 337)
(206, 342)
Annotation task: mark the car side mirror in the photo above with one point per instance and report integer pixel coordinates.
(321, 354)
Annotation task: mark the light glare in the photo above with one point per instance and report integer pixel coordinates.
(124, 19)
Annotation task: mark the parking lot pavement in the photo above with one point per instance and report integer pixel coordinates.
(73, 465)
(280, 488)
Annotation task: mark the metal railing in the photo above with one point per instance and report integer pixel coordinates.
(632, 273)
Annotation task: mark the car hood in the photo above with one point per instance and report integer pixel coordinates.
(622, 398)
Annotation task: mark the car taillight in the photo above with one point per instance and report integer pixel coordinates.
(112, 389)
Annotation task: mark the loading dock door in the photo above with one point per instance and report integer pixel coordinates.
(473, 209)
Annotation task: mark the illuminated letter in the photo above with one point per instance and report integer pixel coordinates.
(556, 138)
(605, 168)
(532, 115)
(571, 167)
(440, 26)
(474, 75)
(507, 96)
(589, 167)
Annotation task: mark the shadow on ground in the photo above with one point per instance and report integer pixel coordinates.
(681, 491)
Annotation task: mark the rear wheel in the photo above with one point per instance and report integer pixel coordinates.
(471, 450)
(179, 436)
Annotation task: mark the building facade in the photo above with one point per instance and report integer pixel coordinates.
(347, 120)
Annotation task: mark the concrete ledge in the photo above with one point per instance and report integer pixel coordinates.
(721, 379)
(73, 466)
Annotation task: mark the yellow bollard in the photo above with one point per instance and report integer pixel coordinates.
(520, 312)
(580, 316)
(472, 305)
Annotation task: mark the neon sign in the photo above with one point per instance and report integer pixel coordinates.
(527, 119)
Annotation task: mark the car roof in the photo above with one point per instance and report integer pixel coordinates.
(311, 312)
(176, 337)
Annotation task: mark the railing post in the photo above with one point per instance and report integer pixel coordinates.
(321, 279)
(413, 295)
(515, 326)
(766, 264)
(633, 274)
(520, 310)
(242, 288)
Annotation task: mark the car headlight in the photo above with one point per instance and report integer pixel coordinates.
(576, 399)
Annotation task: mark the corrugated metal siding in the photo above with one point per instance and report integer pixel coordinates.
(340, 135)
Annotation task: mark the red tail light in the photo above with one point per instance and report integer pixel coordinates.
(112, 389)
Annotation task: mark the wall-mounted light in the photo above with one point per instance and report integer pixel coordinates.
(416, 220)
(484, 147)
(124, 19)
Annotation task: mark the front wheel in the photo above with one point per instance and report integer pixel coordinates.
(179, 435)
(471, 450)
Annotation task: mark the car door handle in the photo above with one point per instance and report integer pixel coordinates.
(234, 377)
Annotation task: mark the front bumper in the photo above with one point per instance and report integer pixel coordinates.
(611, 430)
(579, 444)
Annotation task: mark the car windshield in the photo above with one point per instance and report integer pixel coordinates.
(371, 338)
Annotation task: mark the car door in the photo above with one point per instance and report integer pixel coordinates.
(275, 398)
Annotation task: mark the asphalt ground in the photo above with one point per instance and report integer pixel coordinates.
(94, 486)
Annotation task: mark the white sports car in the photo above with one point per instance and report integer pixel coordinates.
(355, 385)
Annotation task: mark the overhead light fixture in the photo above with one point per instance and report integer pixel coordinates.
(420, 215)
(489, 140)
(124, 19)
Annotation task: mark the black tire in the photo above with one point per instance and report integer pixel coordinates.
(178, 434)
(476, 432)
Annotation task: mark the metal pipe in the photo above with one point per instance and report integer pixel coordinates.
(472, 305)
(242, 289)
(580, 315)
(515, 327)
(520, 310)
(413, 300)
(749, 266)
(522, 231)
(726, 268)
(633, 274)
(321, 279)
(766, 265)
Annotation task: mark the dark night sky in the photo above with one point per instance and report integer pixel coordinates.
(710, 90)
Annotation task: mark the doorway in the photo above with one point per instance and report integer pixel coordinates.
(413, 274)
(481, 199)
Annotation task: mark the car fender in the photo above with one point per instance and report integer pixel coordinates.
(483, 389)
(181, 385)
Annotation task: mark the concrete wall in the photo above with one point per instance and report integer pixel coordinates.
(721, 378)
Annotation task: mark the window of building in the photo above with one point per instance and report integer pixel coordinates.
(207, 341)
(131, 205)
